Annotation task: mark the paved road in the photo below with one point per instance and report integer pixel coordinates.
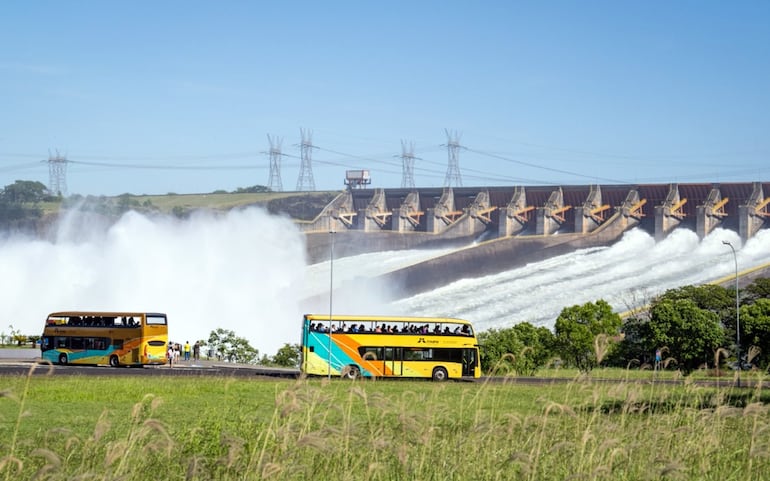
(21, 361)
(27, 353)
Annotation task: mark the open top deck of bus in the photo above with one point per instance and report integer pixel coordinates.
(105, 319)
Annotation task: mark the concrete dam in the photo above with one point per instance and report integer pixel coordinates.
(499, 228)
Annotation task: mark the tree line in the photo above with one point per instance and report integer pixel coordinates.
(688, 328)
(21, 200)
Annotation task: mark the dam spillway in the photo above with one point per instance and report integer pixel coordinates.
(505, 227)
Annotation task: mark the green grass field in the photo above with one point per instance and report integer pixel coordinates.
(221, 201)
(186, 428)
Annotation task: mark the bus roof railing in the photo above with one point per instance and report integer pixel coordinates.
(104, 313)
(387, 319)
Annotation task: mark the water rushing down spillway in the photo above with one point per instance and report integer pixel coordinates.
(626, 274)
(246, 271)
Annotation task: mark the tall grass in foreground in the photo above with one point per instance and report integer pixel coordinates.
(166, 428)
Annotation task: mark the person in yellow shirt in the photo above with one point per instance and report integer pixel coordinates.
(187, 350)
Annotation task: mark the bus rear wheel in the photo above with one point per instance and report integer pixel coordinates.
(63, 359)
(351, 372)
(440, 374)
(114, 361)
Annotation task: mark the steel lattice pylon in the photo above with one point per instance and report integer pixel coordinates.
(453, 169)
(407, 158)
(57, 174)
(305, 180)
(274, 183)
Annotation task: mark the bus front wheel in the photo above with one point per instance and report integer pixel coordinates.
(114, 361)
(440, 374)
(351, 372)
(62, 359)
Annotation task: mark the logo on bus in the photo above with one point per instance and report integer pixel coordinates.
(422, 340)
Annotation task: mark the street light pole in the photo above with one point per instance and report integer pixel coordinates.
(737, 313)
(331, 290)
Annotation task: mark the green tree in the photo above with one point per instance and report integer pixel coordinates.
(709, 297)
(582, 333)
(759, 289)
(287, 356)
(522, 348)
(691, 334)
(227, 345)
(25, 192)
(755, 327)
(635, 344)
(19, 201)
(499, 350)
(252, 189)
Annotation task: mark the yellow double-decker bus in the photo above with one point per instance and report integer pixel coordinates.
(114, 338)
(386, 346)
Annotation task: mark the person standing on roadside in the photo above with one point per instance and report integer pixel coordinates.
(197, 351)
(187, 350)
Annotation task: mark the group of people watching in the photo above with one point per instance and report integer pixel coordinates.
(457, 330)
(176, 351)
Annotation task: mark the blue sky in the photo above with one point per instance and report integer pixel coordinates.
(151, 97)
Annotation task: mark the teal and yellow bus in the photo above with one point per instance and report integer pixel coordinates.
(114, 338)
(388, 346)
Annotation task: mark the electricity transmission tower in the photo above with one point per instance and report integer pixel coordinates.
(305, 180)
(407, 160)
(57, 174)
(274, 183)
(453, 169)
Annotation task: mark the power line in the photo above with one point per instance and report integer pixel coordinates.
(28, 165)
(167, 167)
(550, 169)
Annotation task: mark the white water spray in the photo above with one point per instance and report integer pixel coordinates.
(626, 275)
(236, 271)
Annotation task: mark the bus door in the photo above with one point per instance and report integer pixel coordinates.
(394, 360)
(469, 362)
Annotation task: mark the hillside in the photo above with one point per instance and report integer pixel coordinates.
(37, 218)
(301, 206)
